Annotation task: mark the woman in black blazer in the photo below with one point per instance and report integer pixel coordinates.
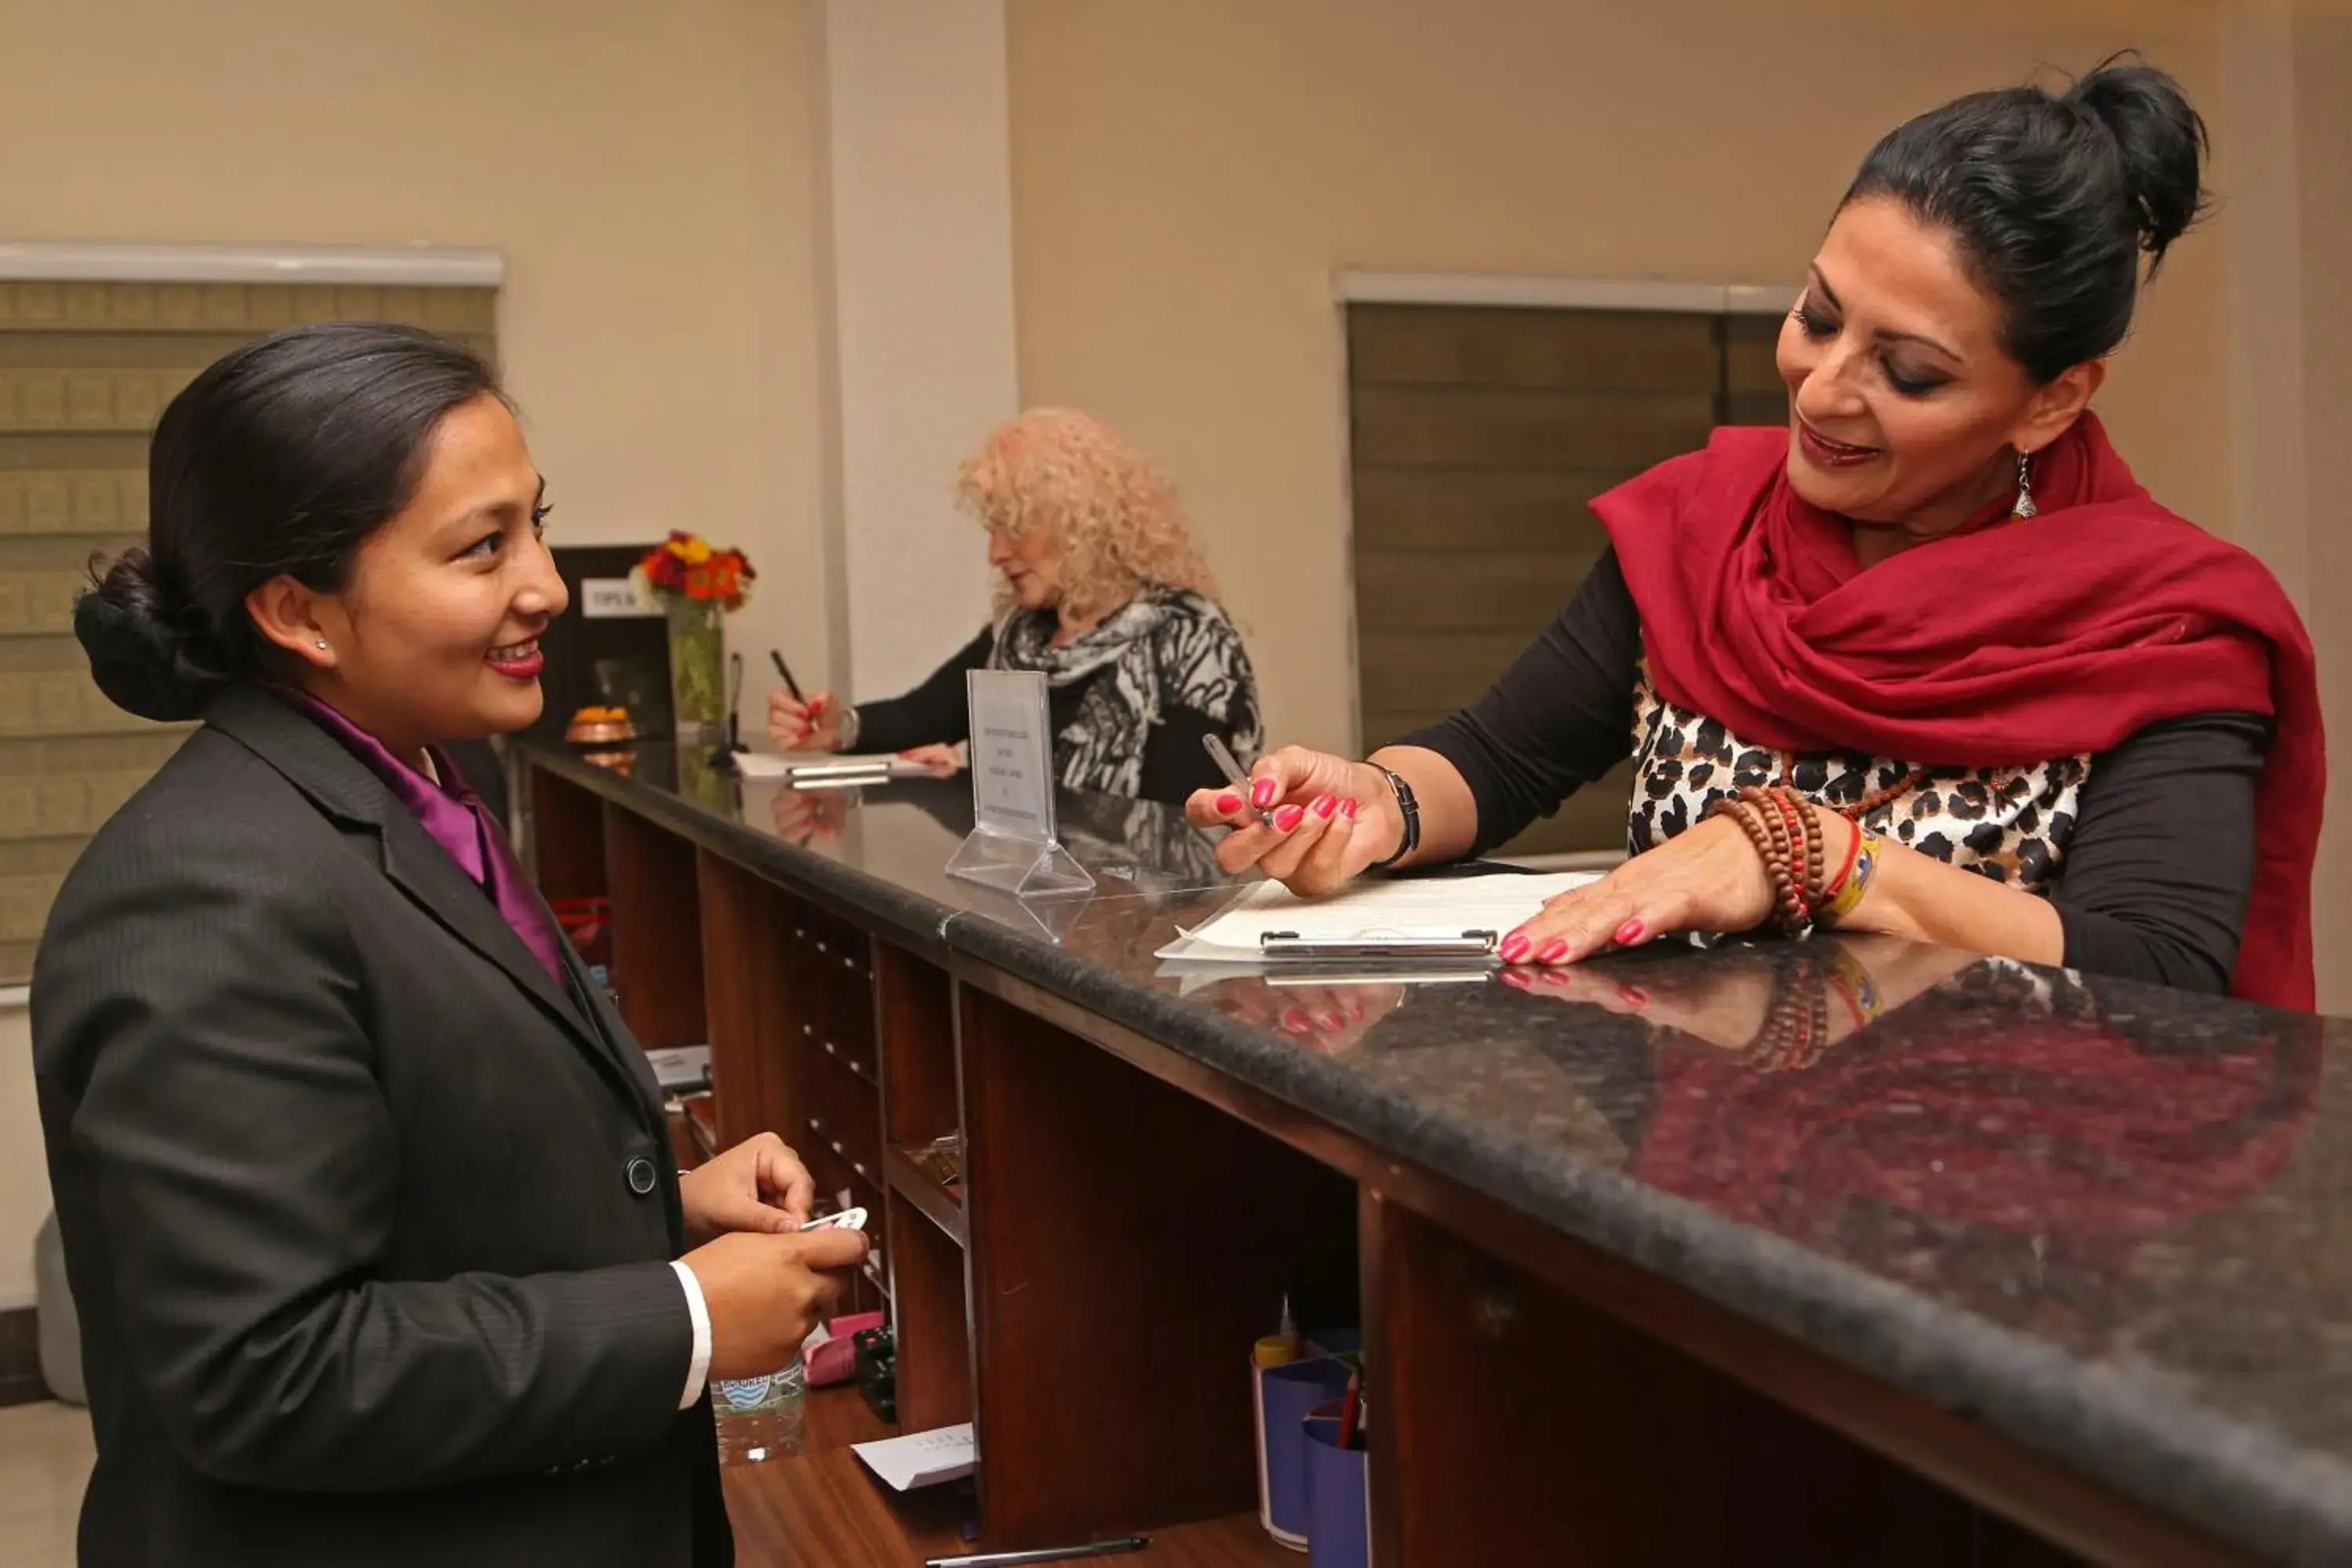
(368, 1206)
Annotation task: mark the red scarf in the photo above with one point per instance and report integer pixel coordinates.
(2002, 644)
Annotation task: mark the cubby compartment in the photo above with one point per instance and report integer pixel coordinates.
(568, 837)
(1130, 1243)
(657, 969)
(934, 1341)
(922, 1153)
(565, 850)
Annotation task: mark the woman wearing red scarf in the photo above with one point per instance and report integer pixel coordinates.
(2076, 729)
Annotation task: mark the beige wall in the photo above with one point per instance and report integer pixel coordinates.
(24, 1172)
(1186, 178)
(2286, 128)
(2321, 53)
(644, 168)
(915, 271)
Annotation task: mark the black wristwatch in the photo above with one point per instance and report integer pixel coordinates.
(1408, 808)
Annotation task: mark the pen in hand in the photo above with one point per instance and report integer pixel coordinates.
(1223, 758)
(811, 710)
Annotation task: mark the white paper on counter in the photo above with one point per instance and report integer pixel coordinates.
(920, 1458)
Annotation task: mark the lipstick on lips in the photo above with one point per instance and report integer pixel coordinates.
(517, 661)
(1832, 454)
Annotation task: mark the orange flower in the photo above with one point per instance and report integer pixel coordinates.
(685, 564)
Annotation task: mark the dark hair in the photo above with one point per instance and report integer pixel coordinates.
(279, 460)
(2054, 197)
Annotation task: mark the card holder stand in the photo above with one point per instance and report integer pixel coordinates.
(1013, 845)
(1025, 868)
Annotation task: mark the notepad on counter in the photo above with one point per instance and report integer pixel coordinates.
(920, 1458)
(1431, 909)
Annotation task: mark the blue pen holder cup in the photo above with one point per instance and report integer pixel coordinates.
(1339, 1516)
(1285, 1395)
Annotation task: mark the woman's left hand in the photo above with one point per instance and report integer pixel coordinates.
(758, 1185)
(1707, 878)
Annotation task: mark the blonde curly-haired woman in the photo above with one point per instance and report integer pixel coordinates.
(1100, 587)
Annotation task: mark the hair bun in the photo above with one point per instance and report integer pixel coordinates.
(138, 655)
(2162, 140)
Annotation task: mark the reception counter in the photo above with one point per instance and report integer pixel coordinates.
(1842, 1251)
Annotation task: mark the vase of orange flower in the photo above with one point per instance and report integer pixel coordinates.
(697, 586)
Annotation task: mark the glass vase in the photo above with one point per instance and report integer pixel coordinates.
(697, 663)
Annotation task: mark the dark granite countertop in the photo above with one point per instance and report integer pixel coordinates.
(2107, 1220)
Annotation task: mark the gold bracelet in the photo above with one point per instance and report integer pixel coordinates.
(1857, 881)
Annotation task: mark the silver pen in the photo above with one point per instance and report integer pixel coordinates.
(1223, 758)
(1114, 1548)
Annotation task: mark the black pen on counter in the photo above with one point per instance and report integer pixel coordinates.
(1113, 1548)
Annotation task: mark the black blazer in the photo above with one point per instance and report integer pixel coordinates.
(367, 1220)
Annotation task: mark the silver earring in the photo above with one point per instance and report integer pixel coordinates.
(322, 642)
(2024, 506)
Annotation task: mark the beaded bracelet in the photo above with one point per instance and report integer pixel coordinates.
(1778, 826)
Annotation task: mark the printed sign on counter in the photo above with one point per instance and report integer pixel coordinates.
(1012, 753)
(1012, 844)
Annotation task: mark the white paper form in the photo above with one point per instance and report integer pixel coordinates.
(1435, 906)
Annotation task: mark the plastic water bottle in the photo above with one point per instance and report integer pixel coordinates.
(761, 1418)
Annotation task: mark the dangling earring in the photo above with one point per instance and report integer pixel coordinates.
(2024, 508)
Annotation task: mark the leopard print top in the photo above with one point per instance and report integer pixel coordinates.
(2009, 824)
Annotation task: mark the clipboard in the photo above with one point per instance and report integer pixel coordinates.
(1471, 946)
(1454, 922)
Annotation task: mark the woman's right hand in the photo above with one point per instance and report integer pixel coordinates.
(811, 726)
(1332, 818)
(765, 1292)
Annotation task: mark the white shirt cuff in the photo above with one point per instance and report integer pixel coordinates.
(698, 1369)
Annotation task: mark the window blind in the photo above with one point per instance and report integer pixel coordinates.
(1477, 435)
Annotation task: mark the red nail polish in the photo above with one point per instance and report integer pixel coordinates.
(1515, 947)
(1519, 979)
(1263, 794)
(1324, 805)
(1347, 809)
(1228, 803)
(1289, 817)
(1296, 1021)
(1631, 932)
(1553, 951)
